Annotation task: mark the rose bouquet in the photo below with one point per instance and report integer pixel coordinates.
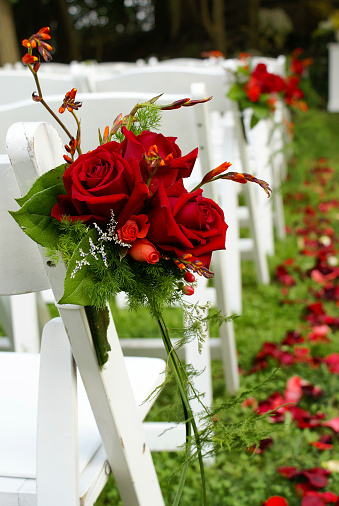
(255, 88)
(121, 219)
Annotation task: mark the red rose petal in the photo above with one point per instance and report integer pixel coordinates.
(276, 500)
(333, 424)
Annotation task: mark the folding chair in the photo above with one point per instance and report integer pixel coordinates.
(46, 457)
(95, 111)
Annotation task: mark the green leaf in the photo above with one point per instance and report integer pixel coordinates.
(261, 111)
(254, 120)
(98, 320)
(78, 289)
(44, 182)
(35, 216)
(236, 92)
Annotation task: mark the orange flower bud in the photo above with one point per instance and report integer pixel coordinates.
(215, 172)
(143, 250)
(26, 43)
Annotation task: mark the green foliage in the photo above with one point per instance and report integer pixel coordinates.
(147, 118)
(35, 219)
(34, 215)
(44, 182)
(71, 233)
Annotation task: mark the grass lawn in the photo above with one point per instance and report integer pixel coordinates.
(270, 314)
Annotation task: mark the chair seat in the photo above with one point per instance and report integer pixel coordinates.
(19, 377)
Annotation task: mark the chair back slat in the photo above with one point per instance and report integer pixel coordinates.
(21, 266)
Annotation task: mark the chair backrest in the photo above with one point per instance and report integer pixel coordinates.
(20, 273)
(274, 65)
(167, 79)
(18, 85)
(31, 147)
(100, 109)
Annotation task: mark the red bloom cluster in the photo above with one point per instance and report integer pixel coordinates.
(298, 66)
(262, 82)
(308, 485)
(293, 95)
(140, 181)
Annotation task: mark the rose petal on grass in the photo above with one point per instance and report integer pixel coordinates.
(333, 424)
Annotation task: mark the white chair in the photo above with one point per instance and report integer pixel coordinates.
(95, 112)
(266, 154)
(46, 458)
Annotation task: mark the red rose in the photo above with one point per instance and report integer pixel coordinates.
(143, 250)
(182, 222)
(253, 90)
(269, 83)
(101, 181)
(135, 228)
(158, 155)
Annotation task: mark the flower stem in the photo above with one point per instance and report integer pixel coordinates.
(181, 379)
(42, 101)
(78, 132)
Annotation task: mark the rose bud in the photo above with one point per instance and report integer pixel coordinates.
(189, 277)
(142, 250)
(135, 228)
(187, 290)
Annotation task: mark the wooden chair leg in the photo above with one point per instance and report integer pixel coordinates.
(226, 331)
(57, 444)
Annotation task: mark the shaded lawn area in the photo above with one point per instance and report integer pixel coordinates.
(271, 314)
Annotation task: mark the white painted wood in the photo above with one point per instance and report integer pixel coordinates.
(250, 194)
(260, 142)
(25, 335)
(57, 464)
(333, 76)
(16, 270)
(20, 273)
(223, 276)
